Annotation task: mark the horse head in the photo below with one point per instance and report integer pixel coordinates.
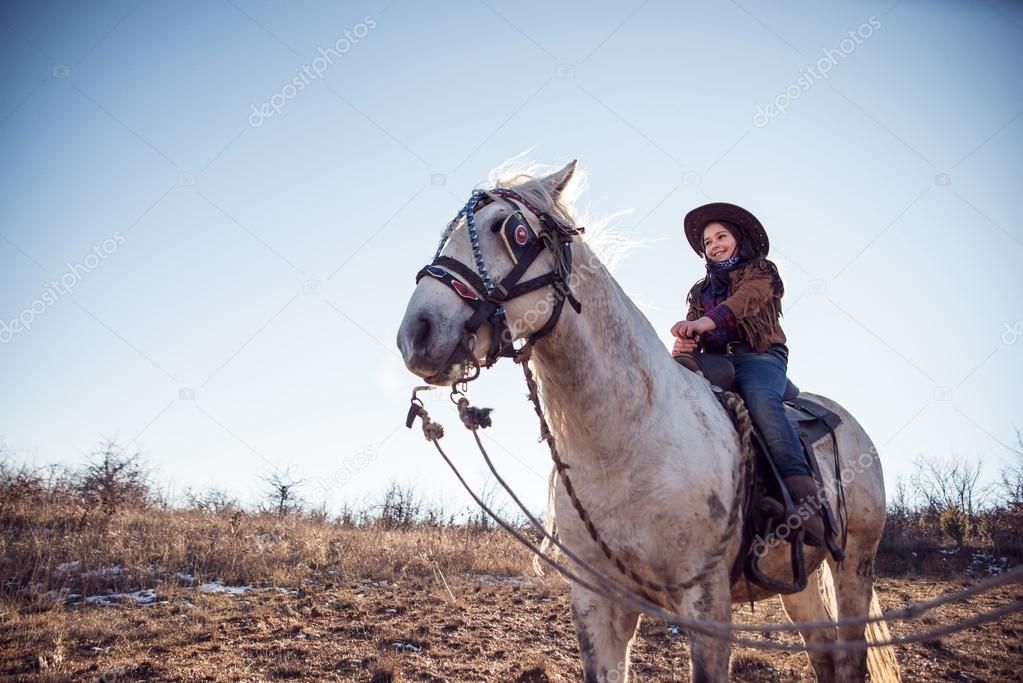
(500, 274)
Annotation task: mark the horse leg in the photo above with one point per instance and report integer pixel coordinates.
(708, 655)
(605, 630)
(854, 585)
(808, 605)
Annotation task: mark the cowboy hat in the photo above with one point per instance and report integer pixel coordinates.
(697, 219)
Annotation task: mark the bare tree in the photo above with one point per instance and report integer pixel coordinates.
(1012, 477)
(943, 485)
(281, 492)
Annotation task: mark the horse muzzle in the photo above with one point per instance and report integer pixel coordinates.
(428, 348)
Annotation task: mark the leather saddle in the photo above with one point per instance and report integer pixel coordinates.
(768, 503)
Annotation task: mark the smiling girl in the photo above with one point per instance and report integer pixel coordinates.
(734, 310)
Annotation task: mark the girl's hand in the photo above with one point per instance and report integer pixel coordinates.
(683, 345)
(692, 328)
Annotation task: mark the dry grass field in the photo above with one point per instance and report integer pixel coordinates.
(173, 595)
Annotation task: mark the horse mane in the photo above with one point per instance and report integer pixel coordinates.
(603, 236)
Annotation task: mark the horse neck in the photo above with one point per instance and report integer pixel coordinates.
(604, 374)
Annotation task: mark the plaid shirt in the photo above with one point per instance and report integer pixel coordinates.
(722, 315)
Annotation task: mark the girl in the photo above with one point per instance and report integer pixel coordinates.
(734, 310)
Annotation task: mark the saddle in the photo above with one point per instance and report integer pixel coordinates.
(768, 503)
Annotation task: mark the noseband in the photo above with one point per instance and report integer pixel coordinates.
(487, 299)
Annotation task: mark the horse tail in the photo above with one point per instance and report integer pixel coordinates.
(549, 523)
(881, 661)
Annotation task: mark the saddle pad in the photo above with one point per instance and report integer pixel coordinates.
(810, 417)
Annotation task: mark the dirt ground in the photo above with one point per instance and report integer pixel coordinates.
(475, 628)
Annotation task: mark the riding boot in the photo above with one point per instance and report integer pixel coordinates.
(807, 498)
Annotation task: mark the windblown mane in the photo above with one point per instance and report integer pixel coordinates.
(602, 236)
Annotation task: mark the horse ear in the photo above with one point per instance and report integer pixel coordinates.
(557, 181)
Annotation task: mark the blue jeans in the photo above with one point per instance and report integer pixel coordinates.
(760, 379)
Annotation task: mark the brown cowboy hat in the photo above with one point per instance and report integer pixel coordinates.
(697, 219)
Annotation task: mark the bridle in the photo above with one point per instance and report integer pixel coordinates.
(487, 298)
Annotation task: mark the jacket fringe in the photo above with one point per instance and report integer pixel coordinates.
(759, 328)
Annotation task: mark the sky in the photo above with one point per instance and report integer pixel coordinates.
(211, 214)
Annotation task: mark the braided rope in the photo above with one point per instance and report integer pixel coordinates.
(744, 425)
(723, 629)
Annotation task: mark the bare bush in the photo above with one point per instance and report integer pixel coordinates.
(948, 503)
(950, 484)
(113, 479)
(400, 508)
(211, 499)
(1012, 476)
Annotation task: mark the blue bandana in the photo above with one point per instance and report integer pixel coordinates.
(717, 273)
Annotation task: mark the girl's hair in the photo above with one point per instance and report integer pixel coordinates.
(743, 245)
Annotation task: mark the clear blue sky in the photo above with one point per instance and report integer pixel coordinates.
(242, 312)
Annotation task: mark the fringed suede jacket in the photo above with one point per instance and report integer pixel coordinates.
(754, 299)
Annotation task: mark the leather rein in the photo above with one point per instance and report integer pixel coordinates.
(487, 298)
(487, 301)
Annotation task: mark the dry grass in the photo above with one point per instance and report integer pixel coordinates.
(366, 603)
(58, 549)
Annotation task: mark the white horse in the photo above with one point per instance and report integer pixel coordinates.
(654, 457)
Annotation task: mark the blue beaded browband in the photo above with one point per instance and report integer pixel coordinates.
(478, 290)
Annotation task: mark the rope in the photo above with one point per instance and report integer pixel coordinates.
(745, 425)
(723, 630)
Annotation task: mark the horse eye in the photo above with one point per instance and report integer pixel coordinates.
(498, 225)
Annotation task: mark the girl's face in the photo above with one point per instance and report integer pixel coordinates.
(718, 242)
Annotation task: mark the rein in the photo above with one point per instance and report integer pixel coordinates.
(525, 246)
(475, 418)
(487, 301)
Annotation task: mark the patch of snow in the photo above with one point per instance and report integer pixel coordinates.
(984, 562)
(106, 573)
(61, 596)
(146, 596)
(491, 580)
(410, 647)
(217, 587)
(674, 630)
(287, 591)
(68, 567)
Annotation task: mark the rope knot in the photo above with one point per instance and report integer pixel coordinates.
(473, 417)
(524, 354)
(432, 430)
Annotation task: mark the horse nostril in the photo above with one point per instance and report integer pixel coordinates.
(421, 331)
